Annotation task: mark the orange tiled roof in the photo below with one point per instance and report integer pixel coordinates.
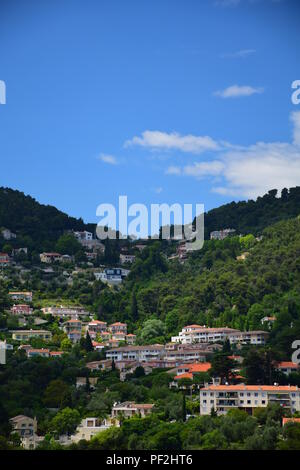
(287, 364)
(290, 420)
(186, 375)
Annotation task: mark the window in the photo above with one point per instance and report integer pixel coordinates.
(248, 402)
(263, 402)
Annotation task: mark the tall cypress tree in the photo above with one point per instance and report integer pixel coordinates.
(88, 343)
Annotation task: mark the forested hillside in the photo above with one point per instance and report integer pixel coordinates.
(254, 216)
(214, 288)
(34, 222)
(41, 223)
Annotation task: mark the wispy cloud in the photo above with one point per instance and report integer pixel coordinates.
(158, 140)
(241, 54)
(252, 170)
(173, 170)
(202, 169)
(110, 159)
(236, 91)
(227, 3)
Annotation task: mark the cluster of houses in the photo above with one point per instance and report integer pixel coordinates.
(101, 334)
(26, 427)
(201, 334)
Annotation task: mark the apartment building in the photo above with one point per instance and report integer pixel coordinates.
(25, 335)
(136, 353)
(258, 337)
(25, 296)
(118, 327)
(21, 309)
(192, 334)
(72, 325)
(62, 312)
(96, 327)
(195, 334)
(222, 398)
(176, 356)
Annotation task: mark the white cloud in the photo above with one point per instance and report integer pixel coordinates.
(158, 140)
(252, 171)
(235, 91)
(260, 167)
(295, 118)
(173, 170)
(110, 159)
(199, 170)
(241, 54)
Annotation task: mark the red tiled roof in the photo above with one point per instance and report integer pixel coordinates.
(287, 364)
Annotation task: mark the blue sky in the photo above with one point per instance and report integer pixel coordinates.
(161, 100)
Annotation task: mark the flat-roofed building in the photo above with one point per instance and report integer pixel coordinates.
(258, 337)
(222, 398)
(137, 353)
(25, 335)
(195, 334)
(25, 296)
(62, 312)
